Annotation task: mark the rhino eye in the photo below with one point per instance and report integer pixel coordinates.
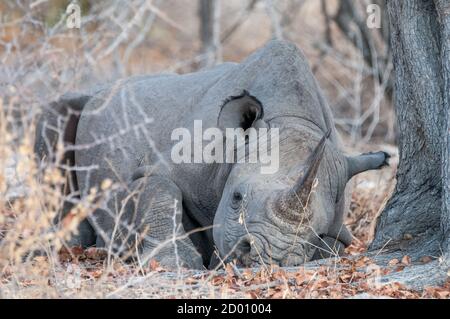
(237, 196)
(237, 199)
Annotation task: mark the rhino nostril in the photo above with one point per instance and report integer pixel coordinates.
(244, 247)
(243, 250)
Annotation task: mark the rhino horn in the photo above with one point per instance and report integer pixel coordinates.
(302, 188)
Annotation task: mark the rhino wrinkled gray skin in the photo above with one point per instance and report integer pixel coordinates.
(122, 132)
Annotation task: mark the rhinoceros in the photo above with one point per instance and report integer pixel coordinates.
(196, 214)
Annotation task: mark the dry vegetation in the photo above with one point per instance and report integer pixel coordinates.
(41, 59)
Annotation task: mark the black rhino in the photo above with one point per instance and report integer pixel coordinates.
(122, 132)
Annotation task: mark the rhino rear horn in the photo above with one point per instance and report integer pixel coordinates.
(305, 183)
(365, 162)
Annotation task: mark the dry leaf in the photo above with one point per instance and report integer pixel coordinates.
(217, 280)
(153, 265)
(278, 295)
(393, 262)
(400, 268)
(406, 260)
(255, 294)
(426, 259)
(247, 274)
(443, 294)
(345, 278)
(77, 250)
(96, 273)
(363, 261)
(95, 253)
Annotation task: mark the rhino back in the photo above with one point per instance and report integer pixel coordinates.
(280, 77)
(129, 123)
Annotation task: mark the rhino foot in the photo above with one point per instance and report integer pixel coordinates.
(150, 223)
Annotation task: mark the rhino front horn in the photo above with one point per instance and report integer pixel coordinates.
(297, 198)
(305, 183)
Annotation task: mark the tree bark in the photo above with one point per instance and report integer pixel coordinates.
(416, 218)
(443, 7)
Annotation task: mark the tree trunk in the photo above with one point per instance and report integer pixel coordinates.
(209, 16)
(350, 17)
(444, 17)
(416, 219)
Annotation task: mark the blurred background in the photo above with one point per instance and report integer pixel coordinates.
(41, 58)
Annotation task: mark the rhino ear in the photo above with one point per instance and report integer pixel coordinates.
(240, 111)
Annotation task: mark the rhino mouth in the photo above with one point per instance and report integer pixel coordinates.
(249, 251)
(244, 252)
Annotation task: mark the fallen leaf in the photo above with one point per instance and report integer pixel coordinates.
(300, 279)
(217, 280)
(191, 281)
(247, 274)
(255, 294)
(393, 262)
(67, 254)
(443, 294)
(399, 268)
(280, 274)
(153, 265)
(95, 253)
(406, 260)
(363, 261)
(278, 295)
(96, 273)
(345, 278)
(426, 259)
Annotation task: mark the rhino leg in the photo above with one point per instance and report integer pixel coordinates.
(338, 237)
(150, 223)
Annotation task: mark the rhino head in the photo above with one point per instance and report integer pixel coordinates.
(296, 214)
